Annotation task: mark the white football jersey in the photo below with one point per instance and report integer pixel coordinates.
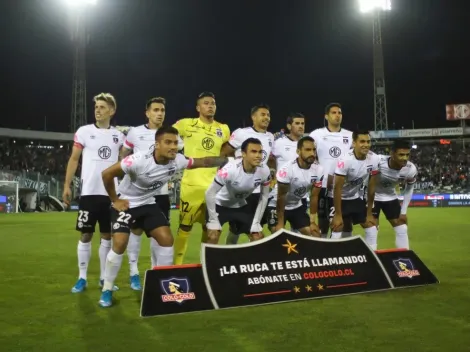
(284, 150)
(389, 179)
(241, 134)
(357, 173)
(237, 185)
(330, 147)
(300, 180)
(144, 177)
(142, 139)
(100, 150)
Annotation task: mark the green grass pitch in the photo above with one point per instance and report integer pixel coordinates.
(38, 267)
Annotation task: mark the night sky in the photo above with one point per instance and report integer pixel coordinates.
(294, 55)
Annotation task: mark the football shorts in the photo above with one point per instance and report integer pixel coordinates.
(92, 210)
(146, 217)
(192, 205)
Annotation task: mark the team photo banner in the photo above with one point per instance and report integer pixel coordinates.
(283, 267)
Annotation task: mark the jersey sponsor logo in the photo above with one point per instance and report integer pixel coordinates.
(115, 139)
(405, 268)
(300, 192)
(176, 289)
(207, 143)
(335, 152)
(356, 182)
(282, 173)
(340, 164)
(155, 185)
(257, 182)
(104, 152)
(218, 132)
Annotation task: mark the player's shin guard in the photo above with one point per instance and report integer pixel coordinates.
(133, 251)
(371, 237)
(105, 247)
(401, 236)
(181, 245)
(165, 256)
(232, 238)
(113, 264)
(154, 247)
(84, 255)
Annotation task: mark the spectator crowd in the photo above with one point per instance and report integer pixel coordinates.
(439, 166)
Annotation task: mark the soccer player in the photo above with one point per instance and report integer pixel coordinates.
(99, 145)
(295, 179)
(359, 166)
(203, 137)
(136, 208)
(395, 169)
(261, 117)
(142, 139)
(227, 196)
(332, 142)
(284, 150)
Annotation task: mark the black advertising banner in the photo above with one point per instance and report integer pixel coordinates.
(286, 266)
(173, 290)
(283, 267)
(406, 269)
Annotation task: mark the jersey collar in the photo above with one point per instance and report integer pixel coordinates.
(332, 131)
(254, 129)
(102, 128)
(300, 167)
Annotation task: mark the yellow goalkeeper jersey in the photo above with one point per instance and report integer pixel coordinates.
(201, 140)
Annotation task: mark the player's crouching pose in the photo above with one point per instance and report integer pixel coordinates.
(134, 206)
(226, 198)
(394, 169)
(294, 180)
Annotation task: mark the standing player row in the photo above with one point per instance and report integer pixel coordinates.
(205, 137)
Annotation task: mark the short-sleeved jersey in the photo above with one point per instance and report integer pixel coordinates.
(300, 182)
(330, 147)
(356, 173)
(142, 139)
(144, 177)
(284, 150)
(100, 149)
(201, 140)
(389, 178)
(241, 134)
(237, 185)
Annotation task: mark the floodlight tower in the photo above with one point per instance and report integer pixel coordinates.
(377, 7)
(80, 41)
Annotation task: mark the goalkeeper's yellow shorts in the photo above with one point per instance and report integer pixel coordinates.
(192, 205)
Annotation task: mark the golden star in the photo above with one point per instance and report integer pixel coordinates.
(296, 289)
(290, 247)
(320, 287)
(308, 288)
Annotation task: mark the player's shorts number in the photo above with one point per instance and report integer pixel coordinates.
(332, 212)
(123, 217)
(83, 215)
(184, 206)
